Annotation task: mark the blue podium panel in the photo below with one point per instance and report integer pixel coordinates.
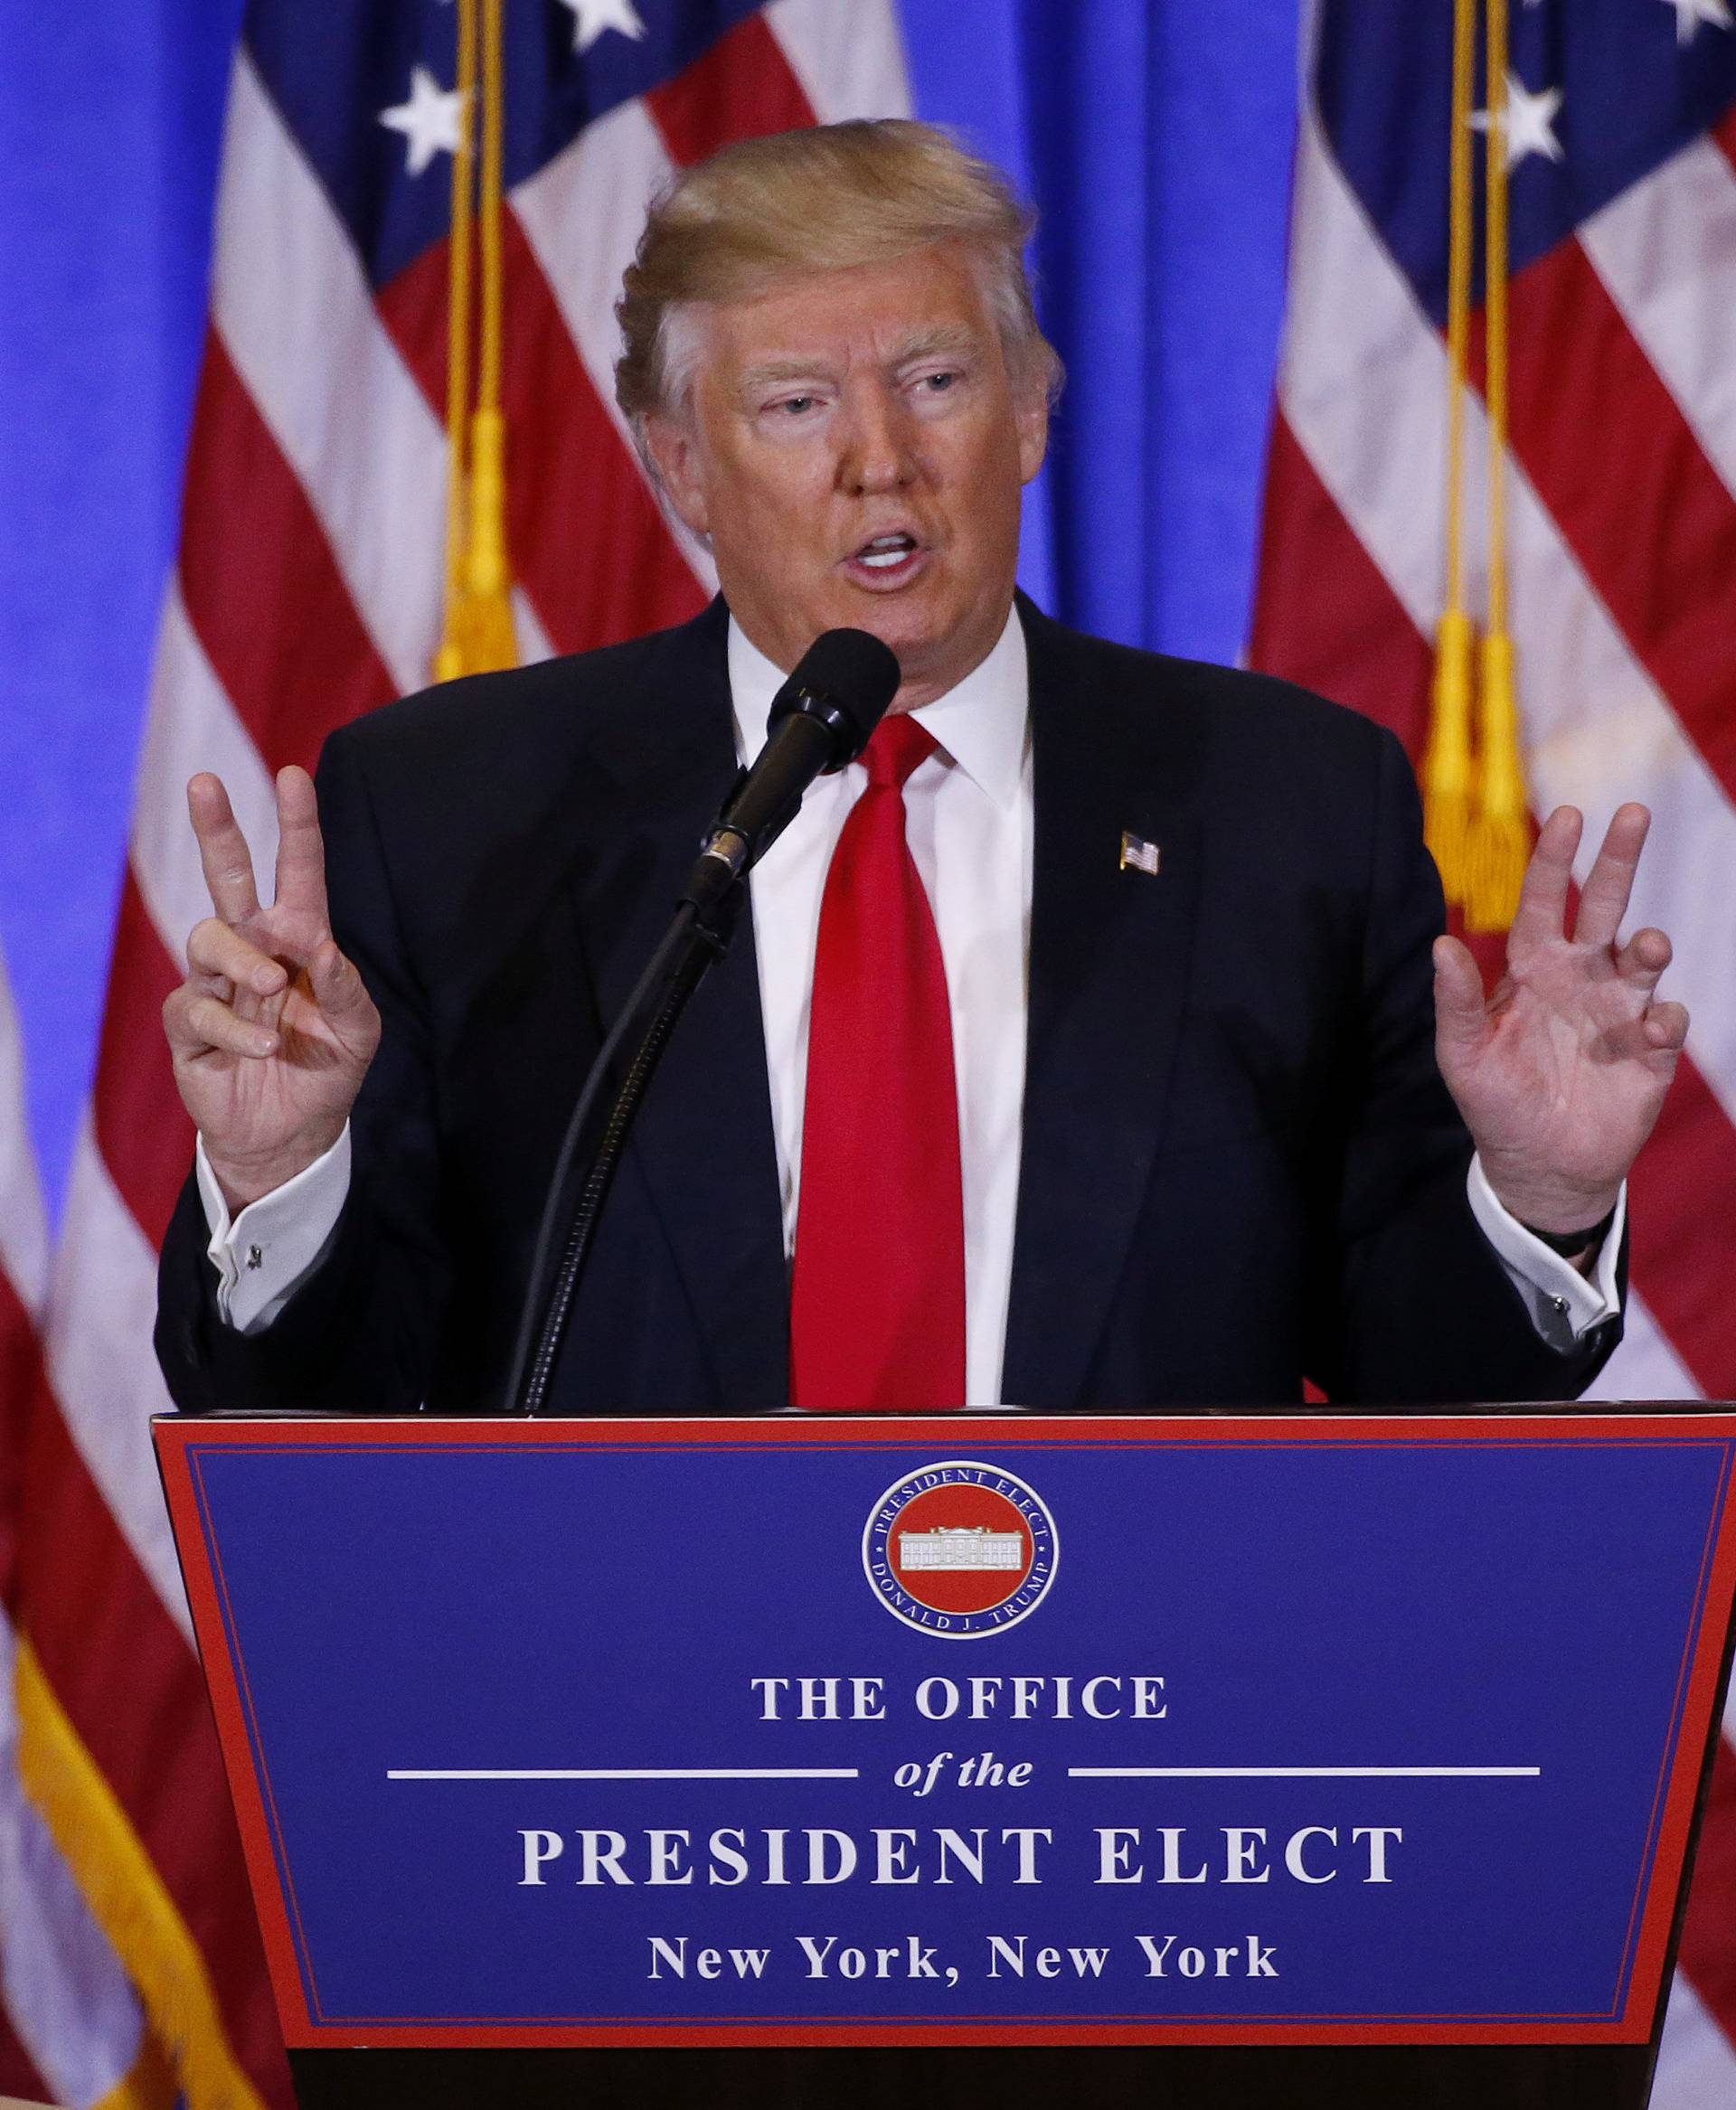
(962, 1729)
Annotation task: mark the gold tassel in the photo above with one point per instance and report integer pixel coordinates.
(480, 636)
(1447, 763)
(1500, 836)
(482, 622)
(1446, 785)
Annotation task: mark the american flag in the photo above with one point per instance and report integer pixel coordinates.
(308, 588)
(1621, 140)
(70, 2022)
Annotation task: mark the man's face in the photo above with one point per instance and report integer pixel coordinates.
(856, 451)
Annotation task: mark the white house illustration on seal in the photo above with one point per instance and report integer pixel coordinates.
(957, 1546)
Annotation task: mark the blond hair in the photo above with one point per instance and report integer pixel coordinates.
(822, 199)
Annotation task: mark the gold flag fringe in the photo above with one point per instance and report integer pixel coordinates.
(148, 2085)
(127, 1898)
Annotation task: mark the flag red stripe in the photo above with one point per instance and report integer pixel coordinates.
(20, 1373)
(1644, 511)
(1723, 134)
(740, 87)
(133, 1691)
(142, 1129)
(18, 2076)
(588, 542)
(1708, 1954)
(1324, 615)
(1684, 1195)
(262, 588)
(1327, 616)
(605, 564)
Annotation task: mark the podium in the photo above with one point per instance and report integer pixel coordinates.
(1314, 1758)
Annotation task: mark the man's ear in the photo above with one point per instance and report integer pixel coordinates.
(673, 448)
(1032, 411)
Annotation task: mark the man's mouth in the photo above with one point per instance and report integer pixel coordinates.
(885, 550)
(887, 560)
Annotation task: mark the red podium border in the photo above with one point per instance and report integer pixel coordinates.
(1655, 1911)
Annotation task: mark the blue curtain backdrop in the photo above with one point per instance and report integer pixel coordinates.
(1155, 136)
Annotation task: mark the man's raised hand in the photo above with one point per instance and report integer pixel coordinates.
(1561, 1074)
(272, 1032)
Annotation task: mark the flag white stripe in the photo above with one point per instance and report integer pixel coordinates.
(849, 61)
(533, 639)
(307, 339)
(193, 726)
(1365, 400)
(581, 214)
(1665, 248)
(24, 1234)
(1645, 1366)
(100, 1317)
(1696, 2065)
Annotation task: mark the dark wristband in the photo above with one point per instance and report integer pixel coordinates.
(1570, 1245)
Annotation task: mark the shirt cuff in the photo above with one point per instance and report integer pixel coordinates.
(266, 1254)
(1564, 1304)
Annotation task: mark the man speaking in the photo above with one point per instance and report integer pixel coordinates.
(1081, 1046)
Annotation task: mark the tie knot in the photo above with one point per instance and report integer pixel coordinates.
(898, 746)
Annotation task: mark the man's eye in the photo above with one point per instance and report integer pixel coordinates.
(937, 384)
(796, 405)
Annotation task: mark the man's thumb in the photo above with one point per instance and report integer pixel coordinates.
(1461, 1018)
(337, 984)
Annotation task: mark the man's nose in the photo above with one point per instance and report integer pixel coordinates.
(878, 452)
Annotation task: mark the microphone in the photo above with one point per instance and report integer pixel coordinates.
(820, 720)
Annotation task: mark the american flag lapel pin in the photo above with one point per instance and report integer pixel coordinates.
(1138, 856)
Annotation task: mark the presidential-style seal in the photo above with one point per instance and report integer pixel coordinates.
(960, 1549)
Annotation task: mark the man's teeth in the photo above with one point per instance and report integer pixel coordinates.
(885, 550)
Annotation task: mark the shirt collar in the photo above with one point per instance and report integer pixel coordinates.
(980, 722)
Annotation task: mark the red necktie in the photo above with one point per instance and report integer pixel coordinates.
(877, 1304)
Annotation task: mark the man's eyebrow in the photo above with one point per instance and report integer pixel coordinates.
(769, 371)
(947, 337)
(950, 339)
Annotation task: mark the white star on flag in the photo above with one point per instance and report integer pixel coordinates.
(1691, 14)
(1529, 124)
(430, 121)
(590, 18)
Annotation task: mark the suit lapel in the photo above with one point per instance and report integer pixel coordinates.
(1111, 952)
(703, 1144)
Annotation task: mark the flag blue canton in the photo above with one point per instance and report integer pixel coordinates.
(1633, 91)
(331, 87)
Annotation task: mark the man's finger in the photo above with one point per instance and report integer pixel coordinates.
(195, 1024)
(1603, 901)
(222, 849)
(1666, 1027)
(1461, 1013)
(301, 850)
(215, 1025)
(1542, 913)
(1642, 960)
(213, 949)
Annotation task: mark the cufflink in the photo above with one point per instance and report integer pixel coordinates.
(255, 1257)
(1138, 856)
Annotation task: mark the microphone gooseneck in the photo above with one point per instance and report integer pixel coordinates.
(821, 719)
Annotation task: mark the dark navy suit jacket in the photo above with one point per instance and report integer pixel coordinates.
(1240, 1168)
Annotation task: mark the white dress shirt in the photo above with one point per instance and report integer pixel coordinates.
(968, 812)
